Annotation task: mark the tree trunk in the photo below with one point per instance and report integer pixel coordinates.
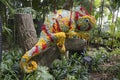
(117, 16)
(0, 39)
(27, 37)
(102, 11)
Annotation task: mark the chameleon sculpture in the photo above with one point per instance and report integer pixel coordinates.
(57, 27)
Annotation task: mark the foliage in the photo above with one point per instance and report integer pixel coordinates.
(7, 35)
(99, 57)
(10, 64)
(27, 10)
(71, 69)
(10, 68)
(41, 74)
(39, 9)
(102, 57)
(7, 3)
(106, 39)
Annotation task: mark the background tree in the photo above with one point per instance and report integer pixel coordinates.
(27, 37)
(0, 39)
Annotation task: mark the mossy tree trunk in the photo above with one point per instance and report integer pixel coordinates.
(26, 33)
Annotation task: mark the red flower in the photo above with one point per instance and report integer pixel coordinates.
(36, 51)
(44, 46)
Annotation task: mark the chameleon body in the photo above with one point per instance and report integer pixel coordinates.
(57, 27)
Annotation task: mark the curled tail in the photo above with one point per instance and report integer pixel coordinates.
(26, 64)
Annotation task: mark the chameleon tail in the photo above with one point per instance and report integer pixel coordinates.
(29, 66)
(26, 64)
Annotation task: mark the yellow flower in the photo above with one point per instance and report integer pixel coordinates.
(71, 34)
(83, 35)
(26, 57)
(30, 67)
(62, 48)
(41, 41)
(60, 39)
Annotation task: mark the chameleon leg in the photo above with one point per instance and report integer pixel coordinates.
(60, 41)
(26, 64)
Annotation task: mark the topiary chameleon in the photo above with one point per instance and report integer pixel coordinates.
(57, 27)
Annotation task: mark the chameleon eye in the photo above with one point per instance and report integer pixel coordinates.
(87, 20)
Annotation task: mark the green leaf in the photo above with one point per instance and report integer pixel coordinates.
(110, 16)
(97, 3)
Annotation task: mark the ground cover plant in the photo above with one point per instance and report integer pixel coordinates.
(105, 64)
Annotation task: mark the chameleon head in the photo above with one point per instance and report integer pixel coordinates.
(85, 23)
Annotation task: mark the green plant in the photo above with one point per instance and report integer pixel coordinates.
(10, 68)
(71, 69)
(100, 57)
(7, 35)
(116, 51)
(41, 74)
(27, 10)
(10, 64)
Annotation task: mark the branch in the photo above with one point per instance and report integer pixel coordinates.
(50, 54)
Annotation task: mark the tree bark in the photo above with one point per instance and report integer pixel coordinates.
(26, 32)
(0, 40)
